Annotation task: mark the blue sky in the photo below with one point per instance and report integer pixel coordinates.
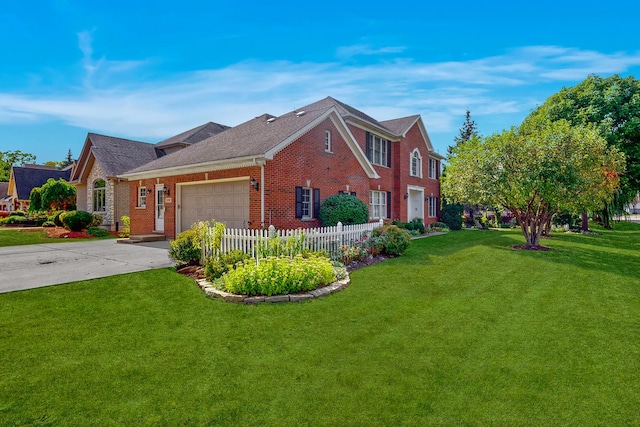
(150, 70)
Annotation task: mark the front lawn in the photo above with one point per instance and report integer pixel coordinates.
(26, 236)
(462, 330)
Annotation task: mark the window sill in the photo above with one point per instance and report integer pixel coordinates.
(140, 207)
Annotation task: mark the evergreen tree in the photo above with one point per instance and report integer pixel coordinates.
(467, 131)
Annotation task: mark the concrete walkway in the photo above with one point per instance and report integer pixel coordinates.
(33, 266)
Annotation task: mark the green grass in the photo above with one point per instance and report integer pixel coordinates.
(460, 331)
(12, 237)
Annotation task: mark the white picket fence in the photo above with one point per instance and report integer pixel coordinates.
(316, 239)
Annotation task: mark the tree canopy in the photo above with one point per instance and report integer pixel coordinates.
(13, 158)
(53, 195)
(534, 171)
(612, 105)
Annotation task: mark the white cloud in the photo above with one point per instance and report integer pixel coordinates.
(115, 101)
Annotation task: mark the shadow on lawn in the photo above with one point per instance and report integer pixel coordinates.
(611, 251)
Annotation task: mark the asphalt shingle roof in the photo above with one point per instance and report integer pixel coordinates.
(4, 187)
(28, 177)
(195, 135)
(400, 126)
(117, 155)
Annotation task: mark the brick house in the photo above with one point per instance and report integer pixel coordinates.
(25, 178)
(103, 158)
(278, 170)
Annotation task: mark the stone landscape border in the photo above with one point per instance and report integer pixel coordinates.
(334, 287)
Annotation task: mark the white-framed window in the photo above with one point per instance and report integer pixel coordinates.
(142, 197)
(328, 147)
(433, 168)
(377, 204)
(433, 207)
(377, 150)
(99, 195)
(416, 164)
(307, 203)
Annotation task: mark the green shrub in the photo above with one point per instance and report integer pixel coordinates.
(451, 215)
(438, 226)
(349, 254)
(125, 231)
(184, 250)
(97, 232)
(77, 220)
(276, 246)
(15, 219)
(97, 220)
(343, 208)
(17, 213)
(216, 267)
(48, 224)
(279, 276)
(393, 239)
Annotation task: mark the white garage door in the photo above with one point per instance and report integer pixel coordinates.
(226, 202)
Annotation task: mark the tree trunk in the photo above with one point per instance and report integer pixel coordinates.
(585, 222)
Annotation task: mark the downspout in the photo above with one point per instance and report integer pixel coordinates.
(262, 196)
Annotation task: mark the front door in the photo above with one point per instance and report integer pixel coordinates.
(415, 206)
(159, 207)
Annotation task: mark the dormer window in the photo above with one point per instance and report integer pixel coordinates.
(416, 164)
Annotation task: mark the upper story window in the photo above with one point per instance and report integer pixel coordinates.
(416, 164)
(328, 147)
(378, 150)
(142, 197)
(99, 195)
(433, 168)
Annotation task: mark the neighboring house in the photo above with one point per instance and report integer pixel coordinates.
(103, 158)
(24, 178)
(5, 200)
(277, 171)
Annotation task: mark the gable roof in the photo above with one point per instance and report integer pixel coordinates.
(114, 155)
(27, 177)
(4, 189)
(259, 139)
(194, 135)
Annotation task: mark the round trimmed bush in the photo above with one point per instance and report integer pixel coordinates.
(343, 208)
(77, 220)
(393, 239)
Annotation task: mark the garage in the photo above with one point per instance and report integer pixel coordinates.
(226, 202)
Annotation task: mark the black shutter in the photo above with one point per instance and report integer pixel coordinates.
(298, 202)
(369, 147)
(437, 207)
(388, 153)
(388, 204)
(437, 162)
(353, 193)
(316, 202)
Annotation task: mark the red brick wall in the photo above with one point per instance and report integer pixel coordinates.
(306, 160)
(143, 219)
(303, 160)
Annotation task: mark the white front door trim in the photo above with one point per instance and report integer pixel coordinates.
(159, 205)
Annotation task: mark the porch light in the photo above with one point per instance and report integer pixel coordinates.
(406, 196)
(166, 191)
(255, 184)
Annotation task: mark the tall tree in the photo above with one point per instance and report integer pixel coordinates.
(467, 131)
(612, 105)
(8, 159)
(53, 195)
(534, 171)
(68, 160)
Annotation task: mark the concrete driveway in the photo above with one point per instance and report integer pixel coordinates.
(33, 266)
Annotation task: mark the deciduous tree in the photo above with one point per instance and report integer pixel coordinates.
(535, 170)
(13, 158)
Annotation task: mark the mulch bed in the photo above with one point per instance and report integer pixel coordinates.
(63, 233)
(530, 248)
